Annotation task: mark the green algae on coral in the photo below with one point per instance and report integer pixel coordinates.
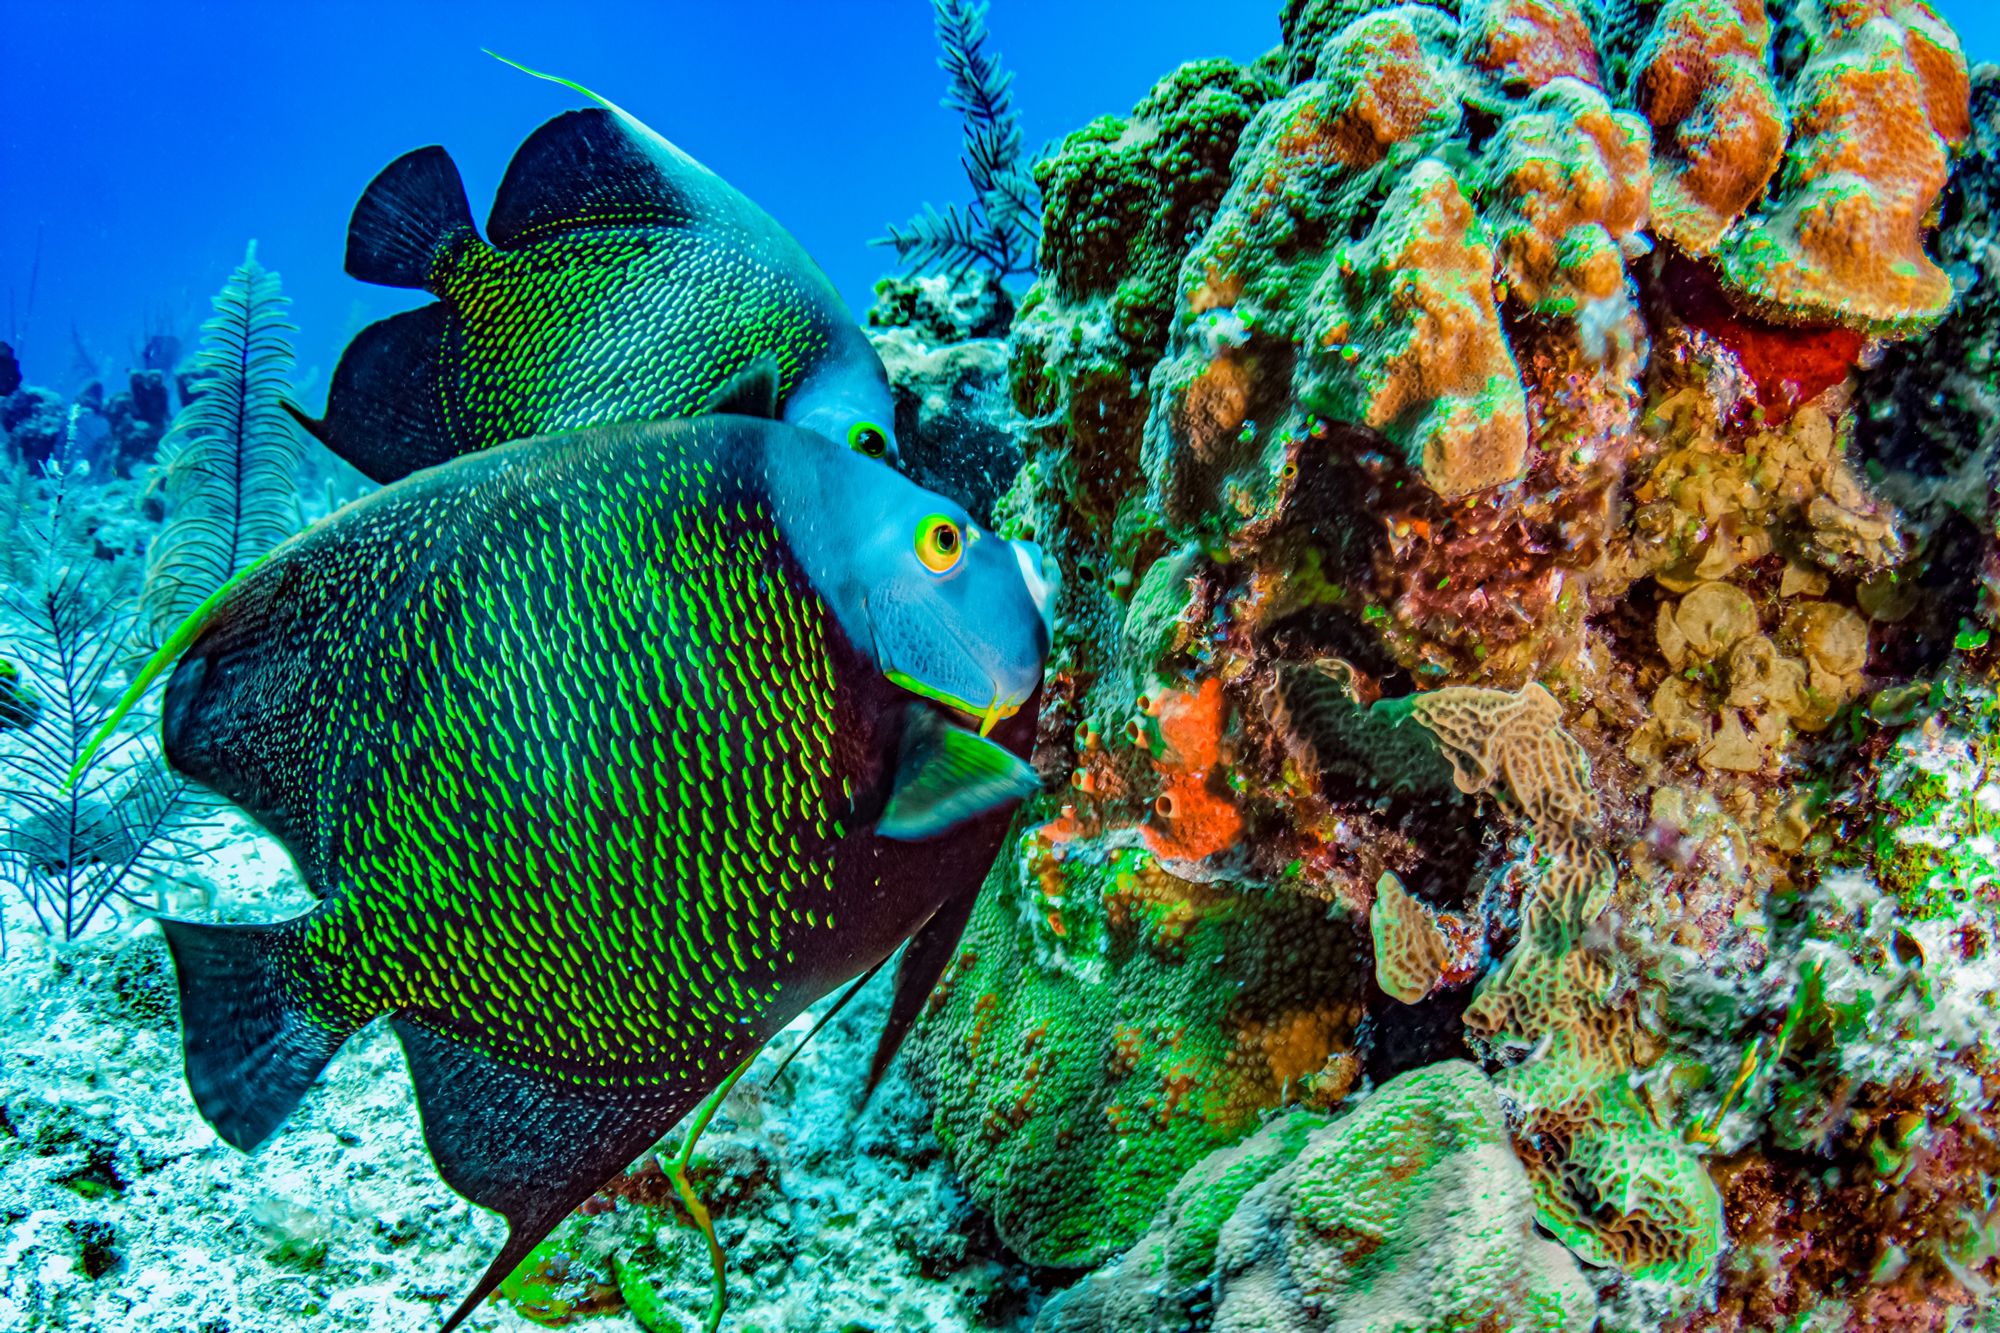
(1934, 840)
(1081, 1102)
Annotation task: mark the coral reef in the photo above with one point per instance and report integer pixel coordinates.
(948, 374)
(1504, 621)
(1523, 737)
(1874, 111)
(88, 827)
(35, 424)
(1812, 197)
(137, 419)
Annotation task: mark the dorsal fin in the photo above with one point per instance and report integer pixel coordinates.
(410, 215)
(750, 392)
(603, 167)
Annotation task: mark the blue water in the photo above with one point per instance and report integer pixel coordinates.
(142, 144)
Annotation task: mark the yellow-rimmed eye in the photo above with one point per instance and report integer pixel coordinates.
(939, 544)
(865, 437)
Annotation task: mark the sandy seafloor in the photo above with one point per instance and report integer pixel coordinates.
(121, 1210)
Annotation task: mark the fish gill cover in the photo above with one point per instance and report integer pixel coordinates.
(1525, 489)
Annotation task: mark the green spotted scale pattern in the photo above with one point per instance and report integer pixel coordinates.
(568, 770)
(613, 323)
(619, 281)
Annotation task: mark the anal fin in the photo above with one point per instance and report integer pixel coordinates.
(525, 1146)
(924, 960)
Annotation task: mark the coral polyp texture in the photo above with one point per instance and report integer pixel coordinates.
(1410, 1213)
(1525, 478)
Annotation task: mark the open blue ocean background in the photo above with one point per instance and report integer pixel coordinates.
(143, 144)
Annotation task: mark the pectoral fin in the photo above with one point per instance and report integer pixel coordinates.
(946, 776)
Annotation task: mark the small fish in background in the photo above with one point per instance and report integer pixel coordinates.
(607, 754)
(618, 280)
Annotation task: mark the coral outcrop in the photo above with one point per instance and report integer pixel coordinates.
(1813, 196)
(1503, 623)
(1409, 1212)
(1874, 111)
(948, 372)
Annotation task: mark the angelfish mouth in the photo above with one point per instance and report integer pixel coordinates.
(985, 718)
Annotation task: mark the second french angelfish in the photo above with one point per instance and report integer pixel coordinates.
(618, 280)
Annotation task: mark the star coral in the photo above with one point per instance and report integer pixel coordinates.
(1421, 361)
(1875, 112)
(1704, 84)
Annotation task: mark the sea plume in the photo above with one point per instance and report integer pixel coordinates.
(998, 231)
(86, 825)
(229, 469)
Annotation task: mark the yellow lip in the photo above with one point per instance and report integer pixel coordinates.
(988, 717)
(994, 714)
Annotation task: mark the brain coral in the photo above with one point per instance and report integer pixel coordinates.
(1492, 600)
(1409, 1212)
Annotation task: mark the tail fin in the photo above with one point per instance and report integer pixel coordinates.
(384, 412)
(408, 214)
(252, 1051)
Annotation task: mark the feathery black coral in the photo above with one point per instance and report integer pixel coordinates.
(229, 468)
(1000, 228)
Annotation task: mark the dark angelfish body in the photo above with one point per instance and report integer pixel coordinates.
(589, 746)
(618, 280)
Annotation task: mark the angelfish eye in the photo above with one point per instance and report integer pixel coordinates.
(868, 438)
(939, 544)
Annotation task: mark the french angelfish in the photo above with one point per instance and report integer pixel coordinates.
(618, 280)
(607, 754)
